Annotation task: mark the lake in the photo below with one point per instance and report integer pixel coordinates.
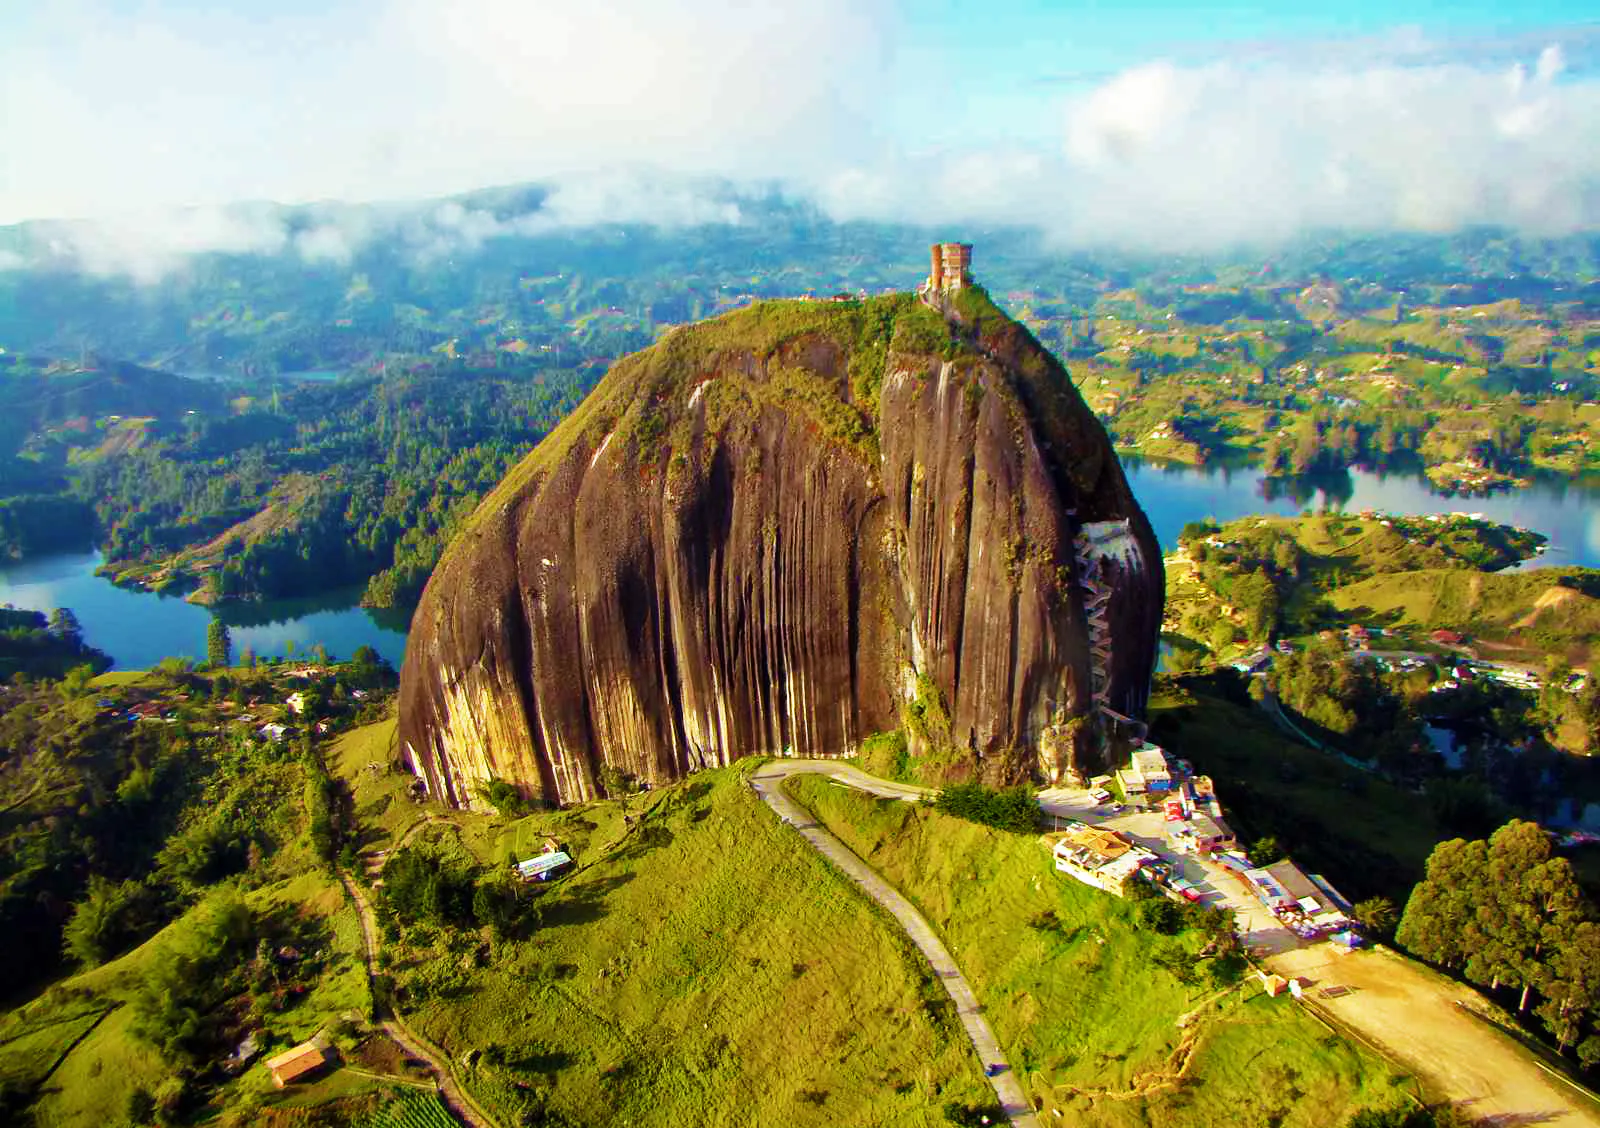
(138, 629)
(1172, 496)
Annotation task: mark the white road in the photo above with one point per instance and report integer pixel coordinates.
(768, 783)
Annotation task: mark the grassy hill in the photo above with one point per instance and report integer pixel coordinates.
(1069, 981)
(663, 983)
(45, 395)
(658, 984)
(1525, 614)
(1239, 584)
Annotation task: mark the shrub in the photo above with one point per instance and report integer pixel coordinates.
(506, 799)
(422, 886)
(1012, 809)
(1160, 915)
(108, 920)
(886, 754)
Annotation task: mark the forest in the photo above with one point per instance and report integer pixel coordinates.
(306, 487)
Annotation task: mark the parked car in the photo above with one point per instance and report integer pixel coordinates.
(1100, 795)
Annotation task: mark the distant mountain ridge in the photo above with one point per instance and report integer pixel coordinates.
(538, 268)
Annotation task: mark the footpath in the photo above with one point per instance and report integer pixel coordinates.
(768, 783)
(455, 1098)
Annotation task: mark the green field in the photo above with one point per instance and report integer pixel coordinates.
(1087, 1018)
(702, 967)
(1531, 615)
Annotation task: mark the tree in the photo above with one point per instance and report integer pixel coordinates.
(1266, 850)
(1221, 635)
(1227, 968)
(107, 921)
(1571, 985)
(76, 681)
(1442, 907)
(1174, 957)
(495, 904)
(1378, 915)
(1506, 912)
(1526, 899)
(219, 645)
(64, 624)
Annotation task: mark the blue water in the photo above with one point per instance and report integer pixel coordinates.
(138, 629)
(1172, 496)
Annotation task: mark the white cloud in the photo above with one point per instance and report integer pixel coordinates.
(130, 116)
(412, 98)
(150, 244)
(1196, 155)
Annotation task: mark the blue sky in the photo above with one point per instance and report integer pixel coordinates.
(1166, 123)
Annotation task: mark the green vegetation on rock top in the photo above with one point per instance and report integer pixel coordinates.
(823, 359)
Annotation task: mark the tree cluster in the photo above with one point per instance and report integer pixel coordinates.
(423, 884)
(1509, 915)
(41, 647)
(1352, 699)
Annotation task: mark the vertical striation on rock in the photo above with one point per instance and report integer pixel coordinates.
(780, 532)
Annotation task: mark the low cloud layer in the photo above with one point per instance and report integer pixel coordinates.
(1222, 153)
(1163, 156)
(644, 110)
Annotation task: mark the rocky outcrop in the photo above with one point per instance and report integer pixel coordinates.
(782, 531)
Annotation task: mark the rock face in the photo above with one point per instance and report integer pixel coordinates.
(780, 532)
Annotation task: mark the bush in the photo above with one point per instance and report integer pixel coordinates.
(422, 886)
(1396, 1116)
(506, 799)
(1266, 850)
(109, 920)
(1378, 915)
(1160, 915)
(887, 755)
(1227, 969)
(971, 1116)
(1013, 809)
(614, 782)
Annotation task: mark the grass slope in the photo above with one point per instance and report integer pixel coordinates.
(702, 967)
(1540, 612)
(1090, 1022)
(90, 1086)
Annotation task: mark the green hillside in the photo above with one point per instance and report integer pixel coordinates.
(1544, 612)
(1082, 995)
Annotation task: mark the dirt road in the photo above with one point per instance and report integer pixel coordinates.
(768, 783)
(455, 1098)
(1418, 1018)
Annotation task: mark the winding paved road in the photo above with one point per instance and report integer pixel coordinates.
(768, 783)
(455, 1098)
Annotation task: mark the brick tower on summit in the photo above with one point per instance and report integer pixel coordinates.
(952, 267)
